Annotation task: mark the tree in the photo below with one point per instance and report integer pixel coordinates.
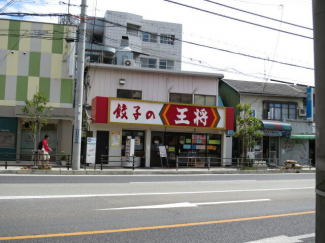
(247, 129)
(37, 111)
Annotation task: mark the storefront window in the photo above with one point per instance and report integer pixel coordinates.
(139, 141)
(192, 145)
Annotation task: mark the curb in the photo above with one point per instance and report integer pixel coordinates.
(147, 172)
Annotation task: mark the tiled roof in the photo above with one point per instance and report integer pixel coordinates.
(267, 88)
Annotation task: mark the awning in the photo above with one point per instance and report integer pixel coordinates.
(302, 136)
(275, 125)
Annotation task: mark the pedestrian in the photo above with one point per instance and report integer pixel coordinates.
(46, 149)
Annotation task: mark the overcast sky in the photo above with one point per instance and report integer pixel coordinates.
(219, 32)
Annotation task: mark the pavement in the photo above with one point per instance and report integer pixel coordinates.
(108, 170)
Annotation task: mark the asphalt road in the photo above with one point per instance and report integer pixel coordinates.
(185, 208)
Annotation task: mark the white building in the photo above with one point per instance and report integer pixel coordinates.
(157, 108)
(152, 43)
(281, 109)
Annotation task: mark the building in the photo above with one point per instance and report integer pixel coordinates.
(281, 109)
(152, 43)
(35, 57)
(156, 107)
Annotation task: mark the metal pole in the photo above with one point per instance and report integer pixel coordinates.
(133, 163)
(177, 163)
(6, 161)
(79, 88)
(208, 163)
(319, 60)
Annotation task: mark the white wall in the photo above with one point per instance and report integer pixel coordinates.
(154, 86)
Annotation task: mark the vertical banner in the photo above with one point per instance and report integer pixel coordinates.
(91, 151)
(310, 103)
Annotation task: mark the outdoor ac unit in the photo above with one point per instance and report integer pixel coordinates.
(302, 112)
(129, 62)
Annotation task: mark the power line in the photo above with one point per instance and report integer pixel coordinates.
(259, 15)
(240, 20)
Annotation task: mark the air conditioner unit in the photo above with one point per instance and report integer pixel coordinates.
(129, 62)
(302, 112)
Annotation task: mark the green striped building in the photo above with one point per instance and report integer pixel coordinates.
(36, 57)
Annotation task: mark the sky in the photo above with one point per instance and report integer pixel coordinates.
(218, 32)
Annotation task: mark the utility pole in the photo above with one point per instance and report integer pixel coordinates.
(79, 89)
(319, 57)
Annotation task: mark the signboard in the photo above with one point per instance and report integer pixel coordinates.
(91, 151)
(139, 112)
(115, 138)
(162, 151)
(129, 149)
(310, 103)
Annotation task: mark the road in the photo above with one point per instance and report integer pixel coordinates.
(158, 208)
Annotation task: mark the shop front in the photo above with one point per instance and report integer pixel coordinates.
(269, 148)
(184, 130)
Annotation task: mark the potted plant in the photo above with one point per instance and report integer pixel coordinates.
(63, 158)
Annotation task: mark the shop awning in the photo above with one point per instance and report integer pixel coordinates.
(302, 136)
(275, 125)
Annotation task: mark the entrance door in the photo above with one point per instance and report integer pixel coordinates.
(274, 150)
(101, 145)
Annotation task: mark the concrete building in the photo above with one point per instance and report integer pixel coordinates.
(281, 109)
(35, 57)
(156, 107)
(152, 43)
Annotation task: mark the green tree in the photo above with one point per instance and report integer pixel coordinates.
(247, 129)
(37, 111)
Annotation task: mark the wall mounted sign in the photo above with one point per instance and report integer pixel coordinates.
(115, 138)
(165, 114)
(140, 112)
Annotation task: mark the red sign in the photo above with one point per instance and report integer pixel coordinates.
(190, 116)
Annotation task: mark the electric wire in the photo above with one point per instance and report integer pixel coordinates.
(259, 15)
(240, 20)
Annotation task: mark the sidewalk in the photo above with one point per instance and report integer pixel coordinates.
(147, 171)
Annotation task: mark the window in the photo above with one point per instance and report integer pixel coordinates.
(166, 64)
(180, 98)
(97, 39)
(147, 37)
(167, 39)
(132, 29)
(148, 63)
(129, 94)
(209, 100)
(279, 110)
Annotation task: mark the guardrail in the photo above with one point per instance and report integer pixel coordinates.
(127, 159)
(37, 158)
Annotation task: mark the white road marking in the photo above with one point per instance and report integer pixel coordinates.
(149, 182)
(185, 205)
(284, 239)
(145, 194)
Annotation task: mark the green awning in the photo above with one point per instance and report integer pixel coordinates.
(302, 136)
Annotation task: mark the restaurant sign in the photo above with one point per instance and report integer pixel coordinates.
(139, 112)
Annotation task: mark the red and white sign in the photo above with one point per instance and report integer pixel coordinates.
(165, 114)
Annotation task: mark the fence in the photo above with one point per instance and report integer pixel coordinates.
(11, 159)
(37, 158)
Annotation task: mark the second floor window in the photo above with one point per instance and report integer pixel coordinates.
(166, 64)
(147, 37)
(279, 111)
(180, 98)
(132, 29)
(209, 100)
(167, 39)
(129, 94)
(148, 63)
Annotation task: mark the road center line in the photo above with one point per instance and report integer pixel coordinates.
(152, 227)
(151, 182)
(144, 194)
